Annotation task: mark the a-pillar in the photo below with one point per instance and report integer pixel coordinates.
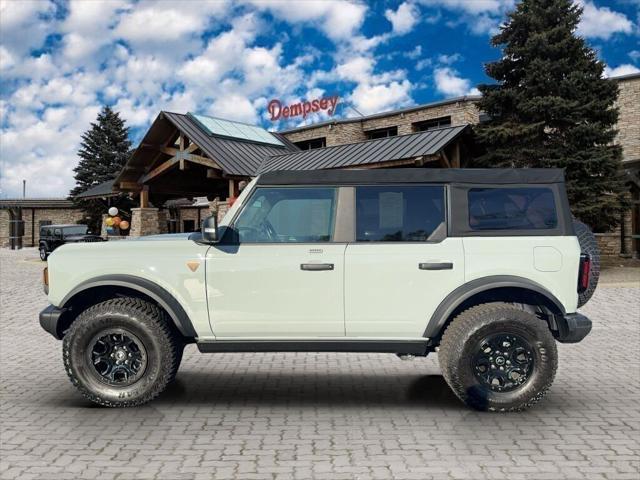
(146, 221)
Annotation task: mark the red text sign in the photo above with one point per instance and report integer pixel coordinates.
(303, 108)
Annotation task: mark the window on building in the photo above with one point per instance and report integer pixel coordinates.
(287, 215)
(188, 226)
(431, 123)
(311, 144)
(382, 133)
(398, 213)
(520, 208)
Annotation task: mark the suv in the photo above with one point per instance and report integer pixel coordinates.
(483, 266)
(52, 236)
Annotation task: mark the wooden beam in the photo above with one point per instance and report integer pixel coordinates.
(199, 159)
(159, 169)
(455, 161)
(134, 186)
(144, 197)
(445, 159)
(232, 188)
(213, 173)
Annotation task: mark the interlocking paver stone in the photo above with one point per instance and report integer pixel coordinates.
(301, 416)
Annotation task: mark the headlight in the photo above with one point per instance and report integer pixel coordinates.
(45, 280)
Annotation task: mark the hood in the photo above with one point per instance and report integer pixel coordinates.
(165, 236)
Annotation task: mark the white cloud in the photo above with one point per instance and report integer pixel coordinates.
(377, 98)
(620, 70)
(602, 22)
(449, 83)
(404, 19)
(338, 19)
(22, 25)
(634, 55)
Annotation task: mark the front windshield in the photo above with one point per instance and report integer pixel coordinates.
(77, 230)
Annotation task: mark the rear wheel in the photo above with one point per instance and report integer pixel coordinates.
(497, 357)
(121, 352)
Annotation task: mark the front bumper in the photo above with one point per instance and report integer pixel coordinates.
(50, 320)
(572, 327)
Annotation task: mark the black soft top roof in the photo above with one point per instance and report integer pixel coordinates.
(485, 176)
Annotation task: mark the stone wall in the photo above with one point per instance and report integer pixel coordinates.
(461, 112)
(56, 216)
(629, 120)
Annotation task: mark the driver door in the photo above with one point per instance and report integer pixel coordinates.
(278, 273)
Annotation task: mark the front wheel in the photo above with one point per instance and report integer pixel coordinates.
(43, 253)
(497, 357)
(121, 352)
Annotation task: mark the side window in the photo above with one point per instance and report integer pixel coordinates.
(287, 215)
(517, 208)
(398, 213)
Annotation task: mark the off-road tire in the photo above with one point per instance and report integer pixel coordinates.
(463, 337)
(588, 245)
(43, 253)
(163, 347)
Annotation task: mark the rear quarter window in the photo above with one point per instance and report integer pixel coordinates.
(517, 208)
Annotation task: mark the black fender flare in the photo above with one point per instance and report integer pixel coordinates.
(479, 285)
(147, 287)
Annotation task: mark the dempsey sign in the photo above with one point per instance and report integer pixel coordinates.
(303, 108)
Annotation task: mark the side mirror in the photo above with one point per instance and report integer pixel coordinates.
(210, 229)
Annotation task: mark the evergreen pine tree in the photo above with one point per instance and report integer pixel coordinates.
(551, 107)
(103, 152)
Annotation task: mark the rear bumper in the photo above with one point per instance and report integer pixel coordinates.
(50, 320)
(572, 327)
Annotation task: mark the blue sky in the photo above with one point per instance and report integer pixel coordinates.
(60, 61)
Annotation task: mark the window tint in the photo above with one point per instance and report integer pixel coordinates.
(512, 209)
(291, 215)
(398, 213)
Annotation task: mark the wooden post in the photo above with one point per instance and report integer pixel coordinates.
(232, 188)
(456, 155)
(144, 197)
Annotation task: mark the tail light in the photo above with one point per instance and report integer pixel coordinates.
(584, 272)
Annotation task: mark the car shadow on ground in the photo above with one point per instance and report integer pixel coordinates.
(331, 389)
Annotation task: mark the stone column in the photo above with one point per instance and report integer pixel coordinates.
(146, 221)
(103, 226)
(216, 206)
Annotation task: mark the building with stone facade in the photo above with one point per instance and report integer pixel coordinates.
(34, 213)
(185, 162)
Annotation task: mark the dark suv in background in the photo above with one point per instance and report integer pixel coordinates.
(52, 236)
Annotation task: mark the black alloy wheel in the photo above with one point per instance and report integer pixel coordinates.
(503, 362)
(118, 357)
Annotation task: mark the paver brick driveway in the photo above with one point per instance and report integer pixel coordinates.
(334, 416)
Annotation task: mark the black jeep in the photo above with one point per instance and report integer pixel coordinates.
(52, 236)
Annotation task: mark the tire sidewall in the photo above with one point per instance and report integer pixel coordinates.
(43, 253)
(78, 341)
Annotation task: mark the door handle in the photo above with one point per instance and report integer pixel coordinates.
(316, 267)
(436, 266)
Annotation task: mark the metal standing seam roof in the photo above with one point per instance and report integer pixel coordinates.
(368, 152)
(36, 203)
(104, 189)
(235, 156)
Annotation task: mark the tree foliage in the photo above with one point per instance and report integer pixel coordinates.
(103, 152)
(551, 107)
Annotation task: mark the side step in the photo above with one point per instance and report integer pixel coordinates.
(418, 348)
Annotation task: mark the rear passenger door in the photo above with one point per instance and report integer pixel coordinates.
(401, 265)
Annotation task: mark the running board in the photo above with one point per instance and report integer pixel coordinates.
(418, 348)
